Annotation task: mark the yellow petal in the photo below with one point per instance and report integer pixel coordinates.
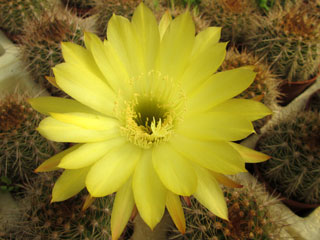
(149, 192)
(108, 63)
(52, 81)
(89, 153)
(202, 65)
(252, 110)
(109, 173)
(124, 41)
(206, 39)
(88, 202)
(219, 88)
(45, 105)
(176, 212)
(69, 184)
(85, 87)
(75, 54)
(209, 194)
(145, 26)
(87, 120)
(164, 23)
(57, 131)
(174, 171)
(249, 155)
(216, 126)
(176, 46)
(122, 209)
(217, 156)
(52, 163)
(225, 180)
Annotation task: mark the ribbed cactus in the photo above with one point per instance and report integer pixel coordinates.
(40, 44)
(62, 220)
(22, 148)
(14, 13)
(249, 213)
(294, 145)
(236, 17)
(289, 39)
(104, 9)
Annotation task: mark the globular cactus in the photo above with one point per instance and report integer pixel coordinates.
(294, 145)
(14, 13)
(41, 43)
(104, 9)
(250, 217)
(236, 17)
(289, 39)
(22, 148)
(265, 87)
(62, 220)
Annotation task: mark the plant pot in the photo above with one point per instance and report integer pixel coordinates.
(299, 208)
(291, 90)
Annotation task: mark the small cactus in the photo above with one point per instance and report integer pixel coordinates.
(265, 85)
(40, 43)
(22, 148)
(236, 17)
(250, 217)
(294, 145)
(104, 9)
(79, 4)
(289, 39)
(14, 13)
(62, 220)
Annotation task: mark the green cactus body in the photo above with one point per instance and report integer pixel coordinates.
(14, 12)
(294, 145)
(41, 44)
(62, 220)
(236, 17)
(249, 217)
(289, 39)
(104, 9)
(22, 148)
(265, 86)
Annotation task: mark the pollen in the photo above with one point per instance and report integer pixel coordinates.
(153, 111)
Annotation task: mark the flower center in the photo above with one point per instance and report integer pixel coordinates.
(155, 107)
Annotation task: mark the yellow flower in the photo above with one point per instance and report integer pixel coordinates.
(152, 119)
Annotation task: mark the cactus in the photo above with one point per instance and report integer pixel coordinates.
(289, 39)
(104, 9)
(62, 220)
(265, 85)
(14, 12)
(236, 17)
(40, 43)
(22, 148)
(250, 217)
(294, 169)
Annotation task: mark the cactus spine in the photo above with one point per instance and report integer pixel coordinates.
(14, 13)
(289, 39)
(250, 217)
(40, 44)
(294, 169)
(22, 148)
